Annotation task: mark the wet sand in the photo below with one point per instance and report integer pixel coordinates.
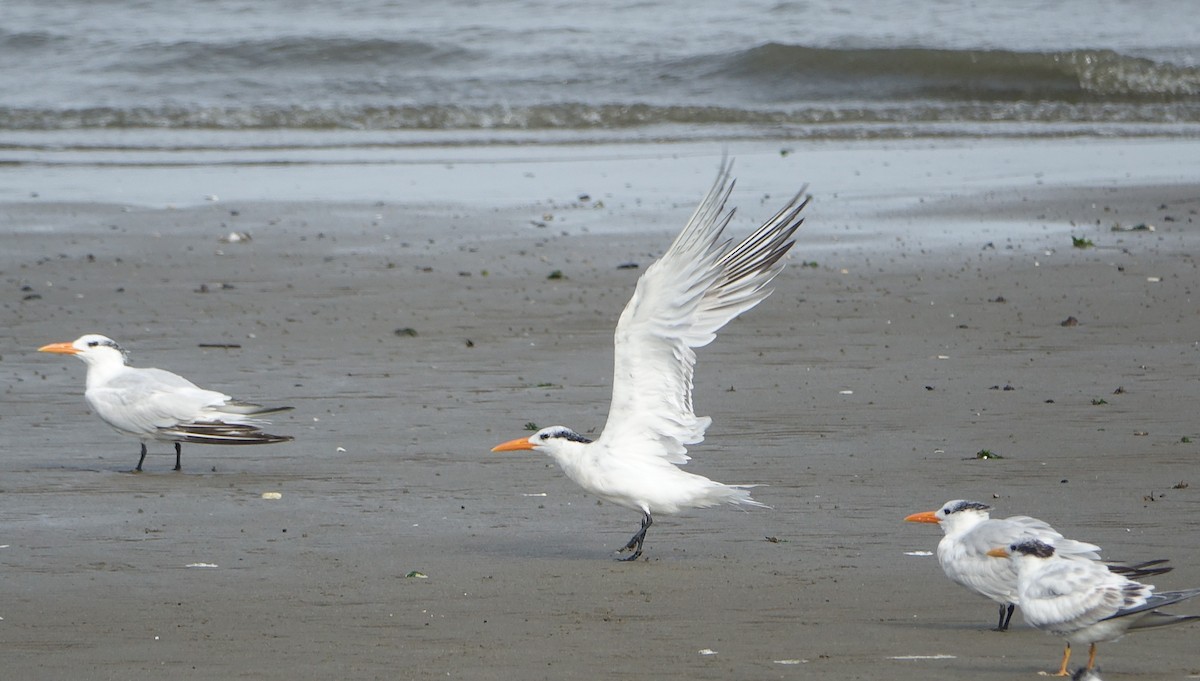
(911, 331)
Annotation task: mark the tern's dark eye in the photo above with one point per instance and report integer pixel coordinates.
(545, 436)
(92, 344)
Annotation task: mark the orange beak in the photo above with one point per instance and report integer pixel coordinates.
(998, 552)
(924, 517)
(59, 349)
(513, 445)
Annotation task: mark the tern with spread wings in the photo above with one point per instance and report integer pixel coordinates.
(701, 283)
(153, 404)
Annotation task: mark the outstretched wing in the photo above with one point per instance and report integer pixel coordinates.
(680, 302)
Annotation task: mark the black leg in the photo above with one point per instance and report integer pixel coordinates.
(635, 542)
(178, 450)
(1006, 613)
(139, 466)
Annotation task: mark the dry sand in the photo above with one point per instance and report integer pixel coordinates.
(860, 392)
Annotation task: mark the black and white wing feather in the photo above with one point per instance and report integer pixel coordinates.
(701, 283)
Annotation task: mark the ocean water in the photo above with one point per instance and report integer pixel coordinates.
(296, 74)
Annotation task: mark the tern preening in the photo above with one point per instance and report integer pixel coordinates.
(153, 404)
(701, 283)
(1083, 601)
(970, 532)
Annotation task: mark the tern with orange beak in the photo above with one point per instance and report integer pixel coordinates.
(701, 283)
(1084, 601)
(970, 532)
(153, 404)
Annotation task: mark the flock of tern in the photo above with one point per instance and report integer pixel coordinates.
(701, 283)
(1060, 584)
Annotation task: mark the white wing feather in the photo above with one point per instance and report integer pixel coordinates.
(154, 402)
(680, 302)
(964, 557)
(141, 401)
(1025, 526)
(1067, 595)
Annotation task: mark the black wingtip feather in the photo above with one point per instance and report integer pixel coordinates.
(217, 433)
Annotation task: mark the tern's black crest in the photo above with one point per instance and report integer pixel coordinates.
(1033, 547)
(565, 434)
(109, 343)
(965, 506)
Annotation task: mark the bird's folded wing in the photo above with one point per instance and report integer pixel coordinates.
(1148, 601)
(1024, 525)
(680, 302)
(241, 408)
(144, 400)
(1034, 527)
(1079, 591)
(1156, 618)
(996, 532)
(214, 433)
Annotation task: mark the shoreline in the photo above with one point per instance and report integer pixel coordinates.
(864, 174)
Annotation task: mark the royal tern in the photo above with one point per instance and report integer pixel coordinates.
(701, 283)
(1083, 601)
(152, 404)
(970, 533)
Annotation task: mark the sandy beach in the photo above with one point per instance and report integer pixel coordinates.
(407, 311)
